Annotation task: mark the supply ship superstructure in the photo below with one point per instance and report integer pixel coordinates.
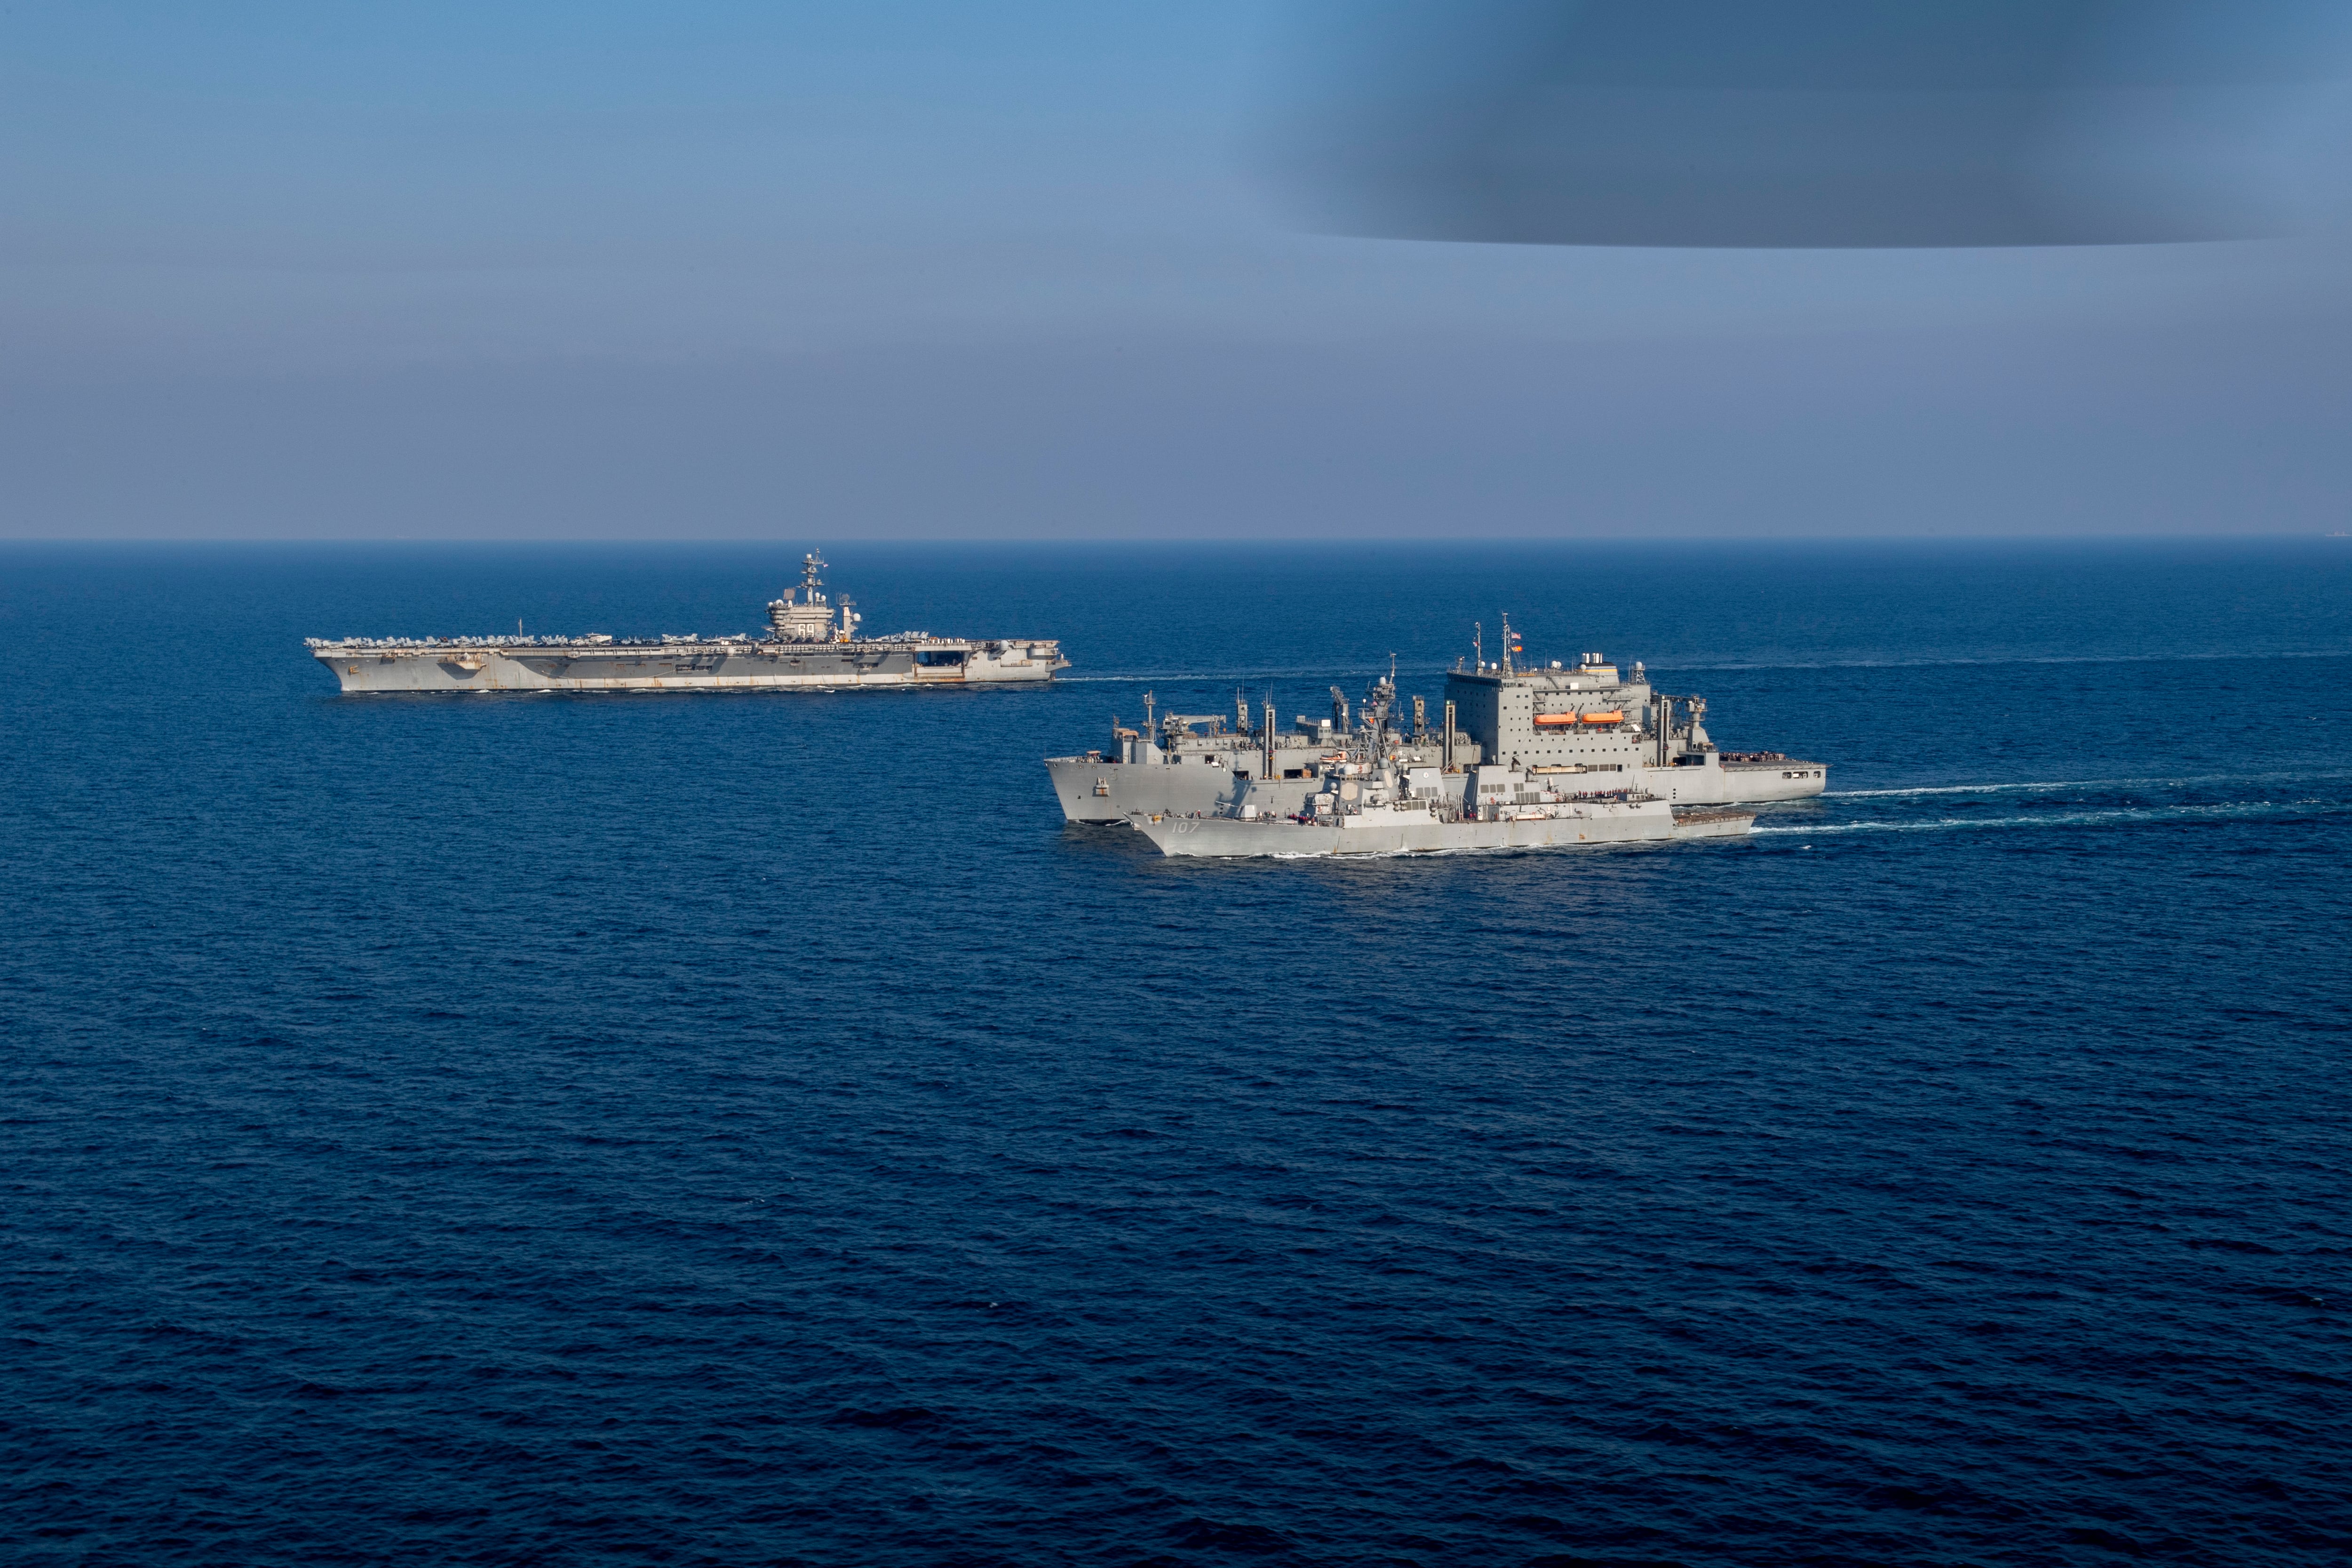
(811, 642)
(1581, 727)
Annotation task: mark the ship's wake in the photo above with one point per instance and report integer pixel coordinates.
(2279, 797)
(2119, 816)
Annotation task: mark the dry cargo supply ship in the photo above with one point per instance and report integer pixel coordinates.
(811, 642)
(1524, 755)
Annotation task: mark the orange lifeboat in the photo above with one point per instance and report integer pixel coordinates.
(1618, 718)
(1554, 720)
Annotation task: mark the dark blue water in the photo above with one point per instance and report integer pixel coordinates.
(753, 1130)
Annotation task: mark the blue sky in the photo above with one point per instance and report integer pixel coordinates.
(908, 270)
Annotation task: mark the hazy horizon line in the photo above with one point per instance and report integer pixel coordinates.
(1106, 542)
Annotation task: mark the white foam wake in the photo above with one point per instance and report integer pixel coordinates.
(2117, 815)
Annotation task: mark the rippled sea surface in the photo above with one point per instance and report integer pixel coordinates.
(750, 1130)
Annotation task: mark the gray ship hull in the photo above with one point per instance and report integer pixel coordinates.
(733, 666)
(813, 644)
(1583, 729)
(1110, 792)
(1419, 831)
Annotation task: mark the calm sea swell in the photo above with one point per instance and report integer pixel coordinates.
(757, 1130)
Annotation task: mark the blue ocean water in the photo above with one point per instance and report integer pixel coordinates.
(755, 1129)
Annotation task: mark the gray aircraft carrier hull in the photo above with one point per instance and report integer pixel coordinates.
(813, 644)
(748, 664)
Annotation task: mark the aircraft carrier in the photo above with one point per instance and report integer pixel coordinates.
(812, 642)
(1583, 721)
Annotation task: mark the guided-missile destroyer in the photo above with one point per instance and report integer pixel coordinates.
(810, 642)
(1583, 722)
(1371, 805)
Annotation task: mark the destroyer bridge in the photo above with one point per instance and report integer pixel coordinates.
(811, 641)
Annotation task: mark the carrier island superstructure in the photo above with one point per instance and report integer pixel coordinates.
(811, 642)
(1580, 728)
